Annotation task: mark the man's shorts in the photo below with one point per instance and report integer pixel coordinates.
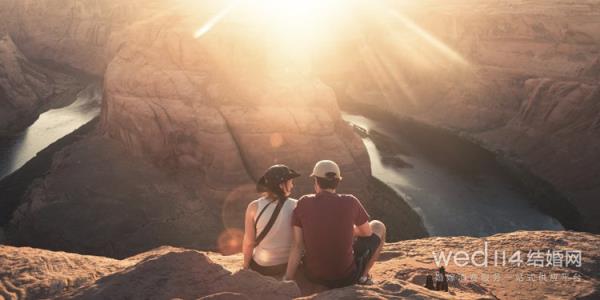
(364, 248)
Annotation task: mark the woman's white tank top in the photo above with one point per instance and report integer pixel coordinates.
(275, 247)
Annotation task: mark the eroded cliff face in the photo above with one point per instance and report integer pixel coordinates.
(168, 272)
(76, 33)
(219, 105)
(188, 124)
(519, 77)
(28, 88)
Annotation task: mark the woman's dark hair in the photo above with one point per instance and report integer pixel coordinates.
(281, 195)
(328, 183)
(276, 193)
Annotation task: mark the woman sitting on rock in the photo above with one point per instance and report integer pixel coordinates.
(268, 224)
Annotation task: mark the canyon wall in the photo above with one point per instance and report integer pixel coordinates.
(28, 88)
(75, 33)
(519, 77)
(218, 105)
(194, 112)
(188, 124)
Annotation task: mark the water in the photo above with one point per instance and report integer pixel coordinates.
(49, 127)
(457, 188)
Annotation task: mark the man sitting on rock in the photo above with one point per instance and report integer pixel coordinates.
(340, 244)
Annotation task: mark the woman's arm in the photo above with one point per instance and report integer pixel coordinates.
(249, 234)
(295, 254)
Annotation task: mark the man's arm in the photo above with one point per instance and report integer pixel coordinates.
(249, 234)
(295, 254)
(363, 230)
(361, 220)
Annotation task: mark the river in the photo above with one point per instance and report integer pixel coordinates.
(456, 187)
(52, 125)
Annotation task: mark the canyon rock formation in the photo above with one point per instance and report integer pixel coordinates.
(194, 111)
(187, 126)
(518, 77)
(28, 88)
(167, 272)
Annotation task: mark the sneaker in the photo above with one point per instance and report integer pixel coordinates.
(365, 280)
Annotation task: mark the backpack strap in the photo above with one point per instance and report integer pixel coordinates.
(261, 213)
(271, 222)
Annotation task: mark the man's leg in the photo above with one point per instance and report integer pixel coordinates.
(378, 229)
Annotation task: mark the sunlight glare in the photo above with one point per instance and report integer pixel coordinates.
(283, 15)
(300, 24)
(378, 34)
(429, 38)
(215, 19)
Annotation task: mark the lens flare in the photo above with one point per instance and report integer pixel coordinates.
(230, 241)
(215, 19)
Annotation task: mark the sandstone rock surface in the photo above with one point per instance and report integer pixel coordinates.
(168, 272)
(74, 33)
(164, 273)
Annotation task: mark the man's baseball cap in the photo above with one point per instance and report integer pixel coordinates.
(326, 169)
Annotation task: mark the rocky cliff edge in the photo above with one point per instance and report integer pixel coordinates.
(167, 272)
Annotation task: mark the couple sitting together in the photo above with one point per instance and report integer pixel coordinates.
(327, 234)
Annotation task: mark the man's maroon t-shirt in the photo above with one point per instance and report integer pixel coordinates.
(327, 221)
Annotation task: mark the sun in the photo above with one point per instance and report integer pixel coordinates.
(301, 37)
(290, 13)
(299, 29)
(301, 21)
(293, 31)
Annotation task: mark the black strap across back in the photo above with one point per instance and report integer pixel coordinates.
(271, 222)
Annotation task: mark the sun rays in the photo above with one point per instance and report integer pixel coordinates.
(214, 20)
(393, 47)
(428, 38)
